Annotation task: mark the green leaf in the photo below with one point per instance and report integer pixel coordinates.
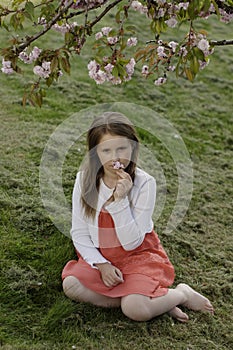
(194, 65)
(29, 8)
(131, 28)
(115, 72)
(198, 53)
(189, 74)
(118, 16)
(121, 71)
(216, 8)
(65, 64)
(54, 64)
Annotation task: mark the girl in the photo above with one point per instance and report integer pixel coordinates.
(121, 262)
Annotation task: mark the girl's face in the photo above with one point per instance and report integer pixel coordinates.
(113, 148)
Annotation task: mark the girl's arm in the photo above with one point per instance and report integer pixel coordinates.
(133, 222)
(80, 232)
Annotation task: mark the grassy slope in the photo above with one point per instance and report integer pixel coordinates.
(34, 312)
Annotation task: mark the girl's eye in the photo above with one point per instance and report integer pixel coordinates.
(122, 148)
(105, 150)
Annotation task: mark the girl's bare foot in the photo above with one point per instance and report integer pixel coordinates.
(195, 301)
(178, 315)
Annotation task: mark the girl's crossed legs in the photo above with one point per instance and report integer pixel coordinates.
(139, 307)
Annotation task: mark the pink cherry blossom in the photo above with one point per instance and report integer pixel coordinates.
(112, 40)
(171, 22)
(98, 35)
(109, 67)
(137, 6)
(106, 30)
(130, 67)
(160, 81)
(183, 5)
(173, 45)
(118, 165)
(204, 46)
(132, 41)
(43, 71)
(6, 67)
(64, 28)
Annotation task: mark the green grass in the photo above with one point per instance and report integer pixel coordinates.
(34, 312)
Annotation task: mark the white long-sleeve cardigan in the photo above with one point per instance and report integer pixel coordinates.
(132, 217)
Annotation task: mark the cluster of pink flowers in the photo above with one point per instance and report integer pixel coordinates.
(225, 17)
(117, 165)
(137, 6)
(65, 27)
(43, 71)
(32, 57)
(6, 67)
(105, 31)
(164, 51)
(103, 73)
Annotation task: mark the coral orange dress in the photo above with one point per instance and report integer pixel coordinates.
(146, 270)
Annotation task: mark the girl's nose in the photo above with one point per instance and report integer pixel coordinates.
(115, 156)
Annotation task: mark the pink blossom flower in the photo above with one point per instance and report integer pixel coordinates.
(204, 46)
(183, 51)
(171, 22)
(112, 40)
(100, 77)
(117, 165)
(203, 64)
(106, 30)
(92, 65)
(23, 56)
(130, 67)
(64, 28)
(183, 5)
(161, 12)
(43, 71)
(173, 45)
(160, 51)
(109, 67)
(137, 6)
(6, 67)
(98, 35)
(96, 73)
(225, 17)
(132, 41)
(38, 70)
(160, 81)
(35, 53)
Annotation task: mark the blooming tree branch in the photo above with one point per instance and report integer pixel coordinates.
(117, 49)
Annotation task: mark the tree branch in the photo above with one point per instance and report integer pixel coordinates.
(221, 42)
(48, 27)
(106, 10)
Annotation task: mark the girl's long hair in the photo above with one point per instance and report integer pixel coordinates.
(92, 171)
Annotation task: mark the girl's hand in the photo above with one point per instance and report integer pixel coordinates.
(111, 275)
(123, 186)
